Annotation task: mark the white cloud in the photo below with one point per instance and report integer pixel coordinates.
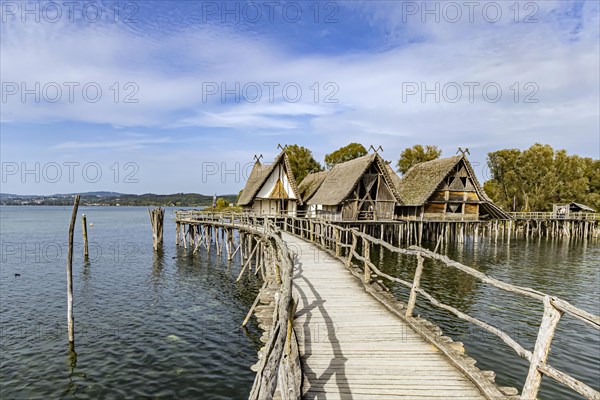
(559, 54)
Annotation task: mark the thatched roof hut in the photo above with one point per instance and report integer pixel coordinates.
(357, 189)
(448, 187)
(271, 189)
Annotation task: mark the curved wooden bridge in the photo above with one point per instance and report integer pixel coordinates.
(333, 331)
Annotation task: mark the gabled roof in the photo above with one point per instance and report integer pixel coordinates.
(259, 175)
(342, 178)
(573, 204)
(421, 180)
(583, 207)
(310, 184)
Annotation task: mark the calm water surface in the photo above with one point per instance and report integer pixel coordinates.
(147, 325)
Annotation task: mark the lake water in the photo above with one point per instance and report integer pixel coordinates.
(147, 325)
(168, 325)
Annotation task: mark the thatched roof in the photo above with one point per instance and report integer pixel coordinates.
(395, 178)
(342, 178)
(310, 184)
(259, 175)
(421, 180)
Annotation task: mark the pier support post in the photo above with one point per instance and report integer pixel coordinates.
(156, 219)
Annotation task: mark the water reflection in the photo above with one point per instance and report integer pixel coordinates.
(74, 386)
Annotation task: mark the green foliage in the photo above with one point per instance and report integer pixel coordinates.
(302, 161)
(533, 179)
(415, 155)
(222, 203)
(343, 154)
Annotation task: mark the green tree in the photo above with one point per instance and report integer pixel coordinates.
(302, 161)
(222, 203)
(415, 155)
(343, 154)
(533, 179)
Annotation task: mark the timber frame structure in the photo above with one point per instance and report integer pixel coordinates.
(359, 189)
(445, 189)
(271, 189)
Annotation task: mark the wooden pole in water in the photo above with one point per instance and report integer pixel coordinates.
(86, 253)
(70, 321)
(156, 220)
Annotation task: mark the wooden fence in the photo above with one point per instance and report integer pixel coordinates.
(279, 368)
(334, 238)
(572, 216)
(342, 243)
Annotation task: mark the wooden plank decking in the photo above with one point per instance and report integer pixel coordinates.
(353, 348)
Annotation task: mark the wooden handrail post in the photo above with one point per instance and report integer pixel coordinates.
(367, 256)
(541, 349)
(415, 286)
(352, 249)
(336, 235)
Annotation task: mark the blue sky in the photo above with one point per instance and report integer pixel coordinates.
(191, 91)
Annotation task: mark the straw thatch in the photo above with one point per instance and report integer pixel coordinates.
(421, 180)
(342, 179)
(395, 178)
(259, 175)
(310, 184)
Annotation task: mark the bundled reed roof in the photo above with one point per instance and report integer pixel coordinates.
(310, 184)
(259, 175)
(342, 178)
(421, 180)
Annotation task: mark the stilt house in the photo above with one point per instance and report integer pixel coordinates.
(359, 189)
(271, 189)
(445, 189)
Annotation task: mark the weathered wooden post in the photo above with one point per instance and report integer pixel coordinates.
(352, 249)
(541, 349)
(156, 220)
(86, 252)
(415, 286)
(336, 235)
(367, 256)
(70, 320)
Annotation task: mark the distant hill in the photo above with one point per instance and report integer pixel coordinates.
(115, 199)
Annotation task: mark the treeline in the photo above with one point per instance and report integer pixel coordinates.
(149, 199)
(533, 179)
(529, 180)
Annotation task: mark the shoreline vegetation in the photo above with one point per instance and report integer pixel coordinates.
(118, 199)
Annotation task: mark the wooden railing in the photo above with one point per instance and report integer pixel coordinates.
(334, 238)
(279, 367)
(546, 215)
(343, 244)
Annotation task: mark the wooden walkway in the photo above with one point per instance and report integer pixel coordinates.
(353, 348)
